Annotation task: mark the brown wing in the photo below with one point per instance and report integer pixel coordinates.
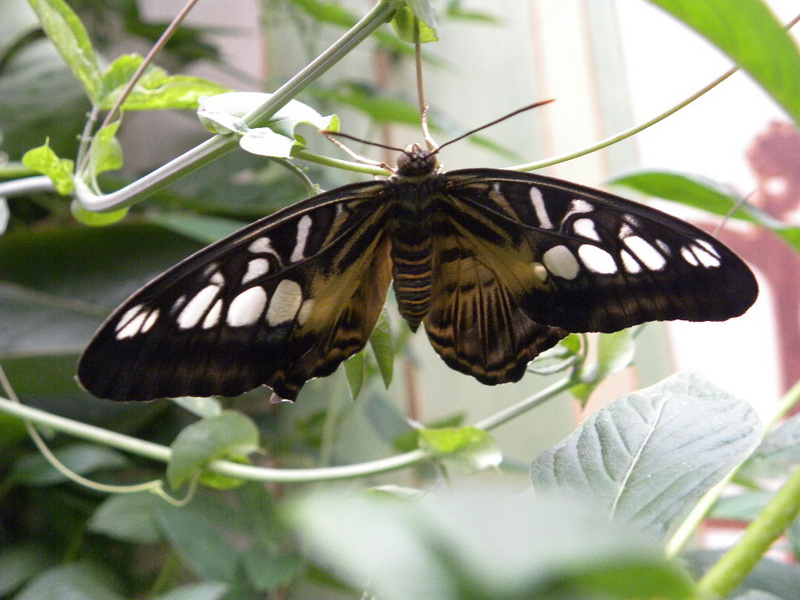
(476, 321)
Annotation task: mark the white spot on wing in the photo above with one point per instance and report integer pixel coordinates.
(247, 307)
(217, 279)
(197, 306)
(708, 247)
(689, 256)
(133, 327)
(303, 227)
(578, 206)
(630, 263)
(560, 261)
(129, 314)
(540, 272)
(261, 245)
(597, 260)
(707, 259)
(537, 201)
(585, 228)
(255, 268)
(305, 311)
(212, 318)
(285, 303)
(151, 320)
(645, 252)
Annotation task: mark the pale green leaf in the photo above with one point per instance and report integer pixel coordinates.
(647, 457)
(43, 160)
(69, 36)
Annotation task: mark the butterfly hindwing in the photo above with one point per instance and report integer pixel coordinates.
(283, 300)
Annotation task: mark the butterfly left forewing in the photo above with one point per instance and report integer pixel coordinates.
(276, 303)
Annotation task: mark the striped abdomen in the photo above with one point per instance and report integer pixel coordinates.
(411, 251)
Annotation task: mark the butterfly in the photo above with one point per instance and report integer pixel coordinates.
(497, 266)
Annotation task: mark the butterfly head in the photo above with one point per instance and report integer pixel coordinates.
(415, 161)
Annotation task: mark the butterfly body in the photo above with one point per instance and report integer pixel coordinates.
(497, 265)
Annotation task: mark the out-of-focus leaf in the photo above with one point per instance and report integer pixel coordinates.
(749, 33)
(229, 435)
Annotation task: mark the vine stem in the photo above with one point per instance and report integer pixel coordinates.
(254, 473)
(220, 145)
(690, 524)
(768, 526)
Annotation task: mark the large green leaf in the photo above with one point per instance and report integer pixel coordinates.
(482, 543)
(647, 457)
(748, 32)
(707, 195)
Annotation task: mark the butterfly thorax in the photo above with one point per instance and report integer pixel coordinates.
(412, 188)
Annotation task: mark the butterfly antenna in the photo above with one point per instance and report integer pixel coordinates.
(332, 135)
(495, 122)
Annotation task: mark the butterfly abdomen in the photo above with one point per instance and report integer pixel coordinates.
(412, 247)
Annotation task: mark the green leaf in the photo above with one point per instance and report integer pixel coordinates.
(382, 344)
(463, 449)
(355, 370)
(647, 457)
(483, 542)
(84, 580)
(128, 518)
(230, 435)
(68, 35)
(405, 19)
(155, 90)
(698, 192)
(224, 114)
(777, 455)
(750, 34)
(96, 219)
(615, 351)
(197, 591)
(35, 470)
(21, 562)
(43, 160)
(105, 152)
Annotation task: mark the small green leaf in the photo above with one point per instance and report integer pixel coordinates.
(463, 449)
(229, 435)
(96, 219)
(128, 518)
(43, 160)
(68, 35)
(35, 470)
(382, 344)
(155, 90)
(105, 152)
(748, 32)
(615, 351)
(201, 407)
(405, 19)
(355, 370)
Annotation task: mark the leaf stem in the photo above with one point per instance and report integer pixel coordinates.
(690, 524)
(768, 526)
(219, 145)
